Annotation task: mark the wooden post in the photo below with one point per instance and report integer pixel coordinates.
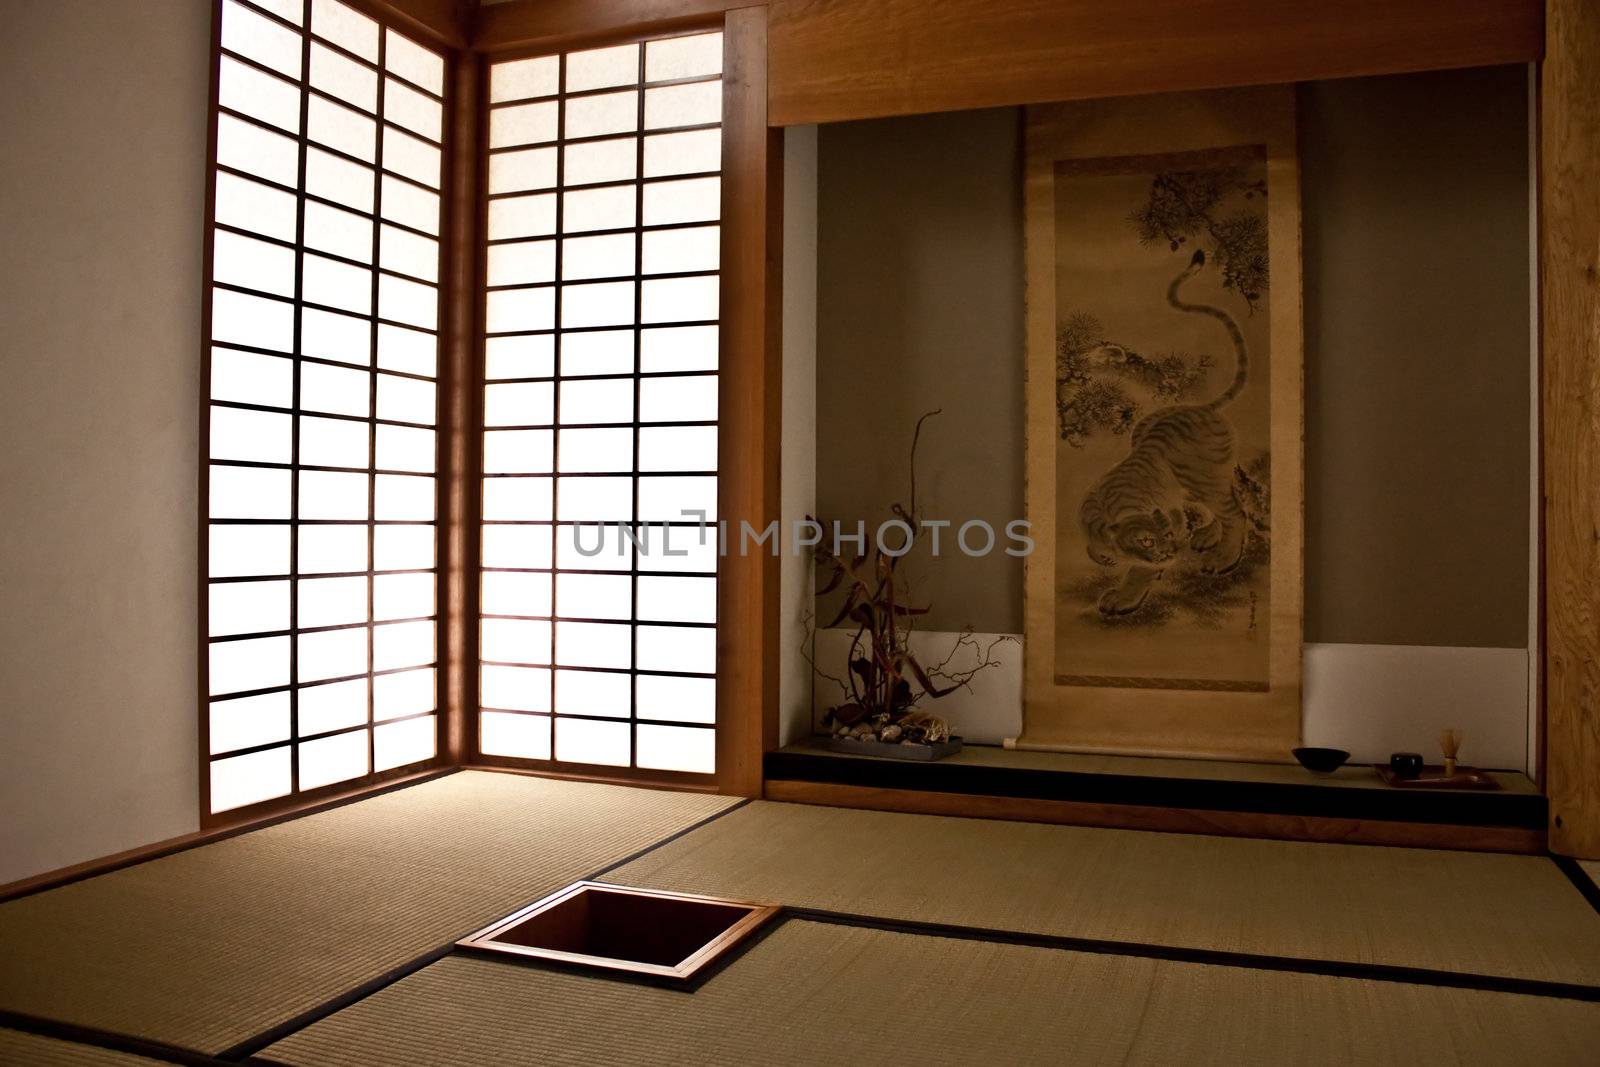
(750, 408)
(1569, 264)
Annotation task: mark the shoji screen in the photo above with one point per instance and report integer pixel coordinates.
(598, 637)
(322, 359)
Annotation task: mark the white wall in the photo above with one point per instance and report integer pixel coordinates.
(1370, 700)
(103, 107)
(798, 466)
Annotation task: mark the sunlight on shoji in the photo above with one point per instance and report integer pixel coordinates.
(338, 337)
(679, 549)
(333, 442)
(595, 596)
(597, 401)
(524, 79)
(686, 399)
(403, 498)
(402, 644)
(246, 146)
(333, 759)
(331, 654)
(517, 499)
(330, 601)
(406, 204)
(592, 644)
(525, 736)
(336, 410)
(682, 152)
(591, 547)
(581, 294)
(678, 448)
(595, 500)
(606, 208)
(251, 378)
(332, 549)
(506, 545)
(692, 650)
(331, 706)
(600, 161)
(398, 743)
(677, 599)
(601, 68)
(247, 722)
(518, 451)
(245, 551)
(516, 593)
(596, 450)
(248, 607)
(678, 348)
(515, 688)
(677, 748)
(254, 663)
(250, 779)
(407, 351)
(588, 741)
(597, 352)
(525, 641)
(402, 547)
(593, 693)
(676, 699)
(404, 693)
(402, 596)
(605, 256)
(519, 357)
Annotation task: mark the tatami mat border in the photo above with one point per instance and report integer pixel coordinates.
(1580, 880)
(247, 1051)
(1380, 972)
(106, 1039)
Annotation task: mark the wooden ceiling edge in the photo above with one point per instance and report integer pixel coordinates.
(525, 25)
(443, 24)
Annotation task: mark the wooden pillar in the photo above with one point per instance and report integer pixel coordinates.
(460, 395)
(750, 407)
(1569, 264)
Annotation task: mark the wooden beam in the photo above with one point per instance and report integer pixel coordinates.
(853, 59)
(1569, 267)
(440, 23)
(1167, 820)
(530, 24)
(750, 408)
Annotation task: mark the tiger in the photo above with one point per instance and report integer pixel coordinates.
(1174, 490)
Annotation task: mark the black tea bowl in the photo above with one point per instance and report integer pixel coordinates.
(1321, 760)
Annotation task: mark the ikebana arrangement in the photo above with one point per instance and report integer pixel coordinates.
(885, 685)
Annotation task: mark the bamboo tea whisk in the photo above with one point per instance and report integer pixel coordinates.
(1450, 742)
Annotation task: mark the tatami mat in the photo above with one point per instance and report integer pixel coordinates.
(817, 994)
(207, 947)
(28, 1050)
(1479, 913)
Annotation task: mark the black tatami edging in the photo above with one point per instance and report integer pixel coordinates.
(248, 1051)
(1379, 972)
(1311, 800)
(669, 839)
(106, 1039)
(248, 1048)
(1580, 880)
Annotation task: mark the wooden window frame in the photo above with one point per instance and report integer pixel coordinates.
(748, 414)
(298, 799)
(749, 405)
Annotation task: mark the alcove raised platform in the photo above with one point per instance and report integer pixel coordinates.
(1184, 796)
